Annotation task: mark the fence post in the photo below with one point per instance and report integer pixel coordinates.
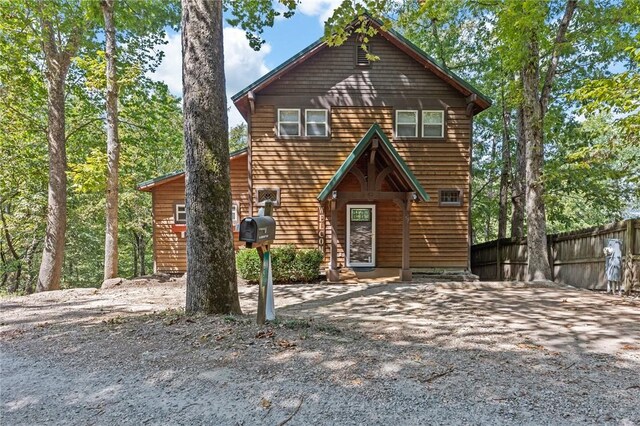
(630, 238)
(551, 256)
(498, 267)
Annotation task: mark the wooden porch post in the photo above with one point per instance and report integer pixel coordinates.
(405, 272)
(334, 274)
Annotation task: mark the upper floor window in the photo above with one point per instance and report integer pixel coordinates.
(316, 122)
(432, 124)
(288, 122)
(406, 123)
(180, 214)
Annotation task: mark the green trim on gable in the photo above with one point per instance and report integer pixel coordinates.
(358, 150)
(277, 69)
(159, 179)
(390, 31)
(179, 172)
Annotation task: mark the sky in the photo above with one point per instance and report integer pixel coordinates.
(243, 65)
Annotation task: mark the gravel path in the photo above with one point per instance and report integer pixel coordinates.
(440, 353)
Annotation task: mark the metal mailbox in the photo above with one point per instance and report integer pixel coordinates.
(257, 230)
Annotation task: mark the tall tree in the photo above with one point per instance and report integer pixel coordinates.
(62, 29)
(211, 272)
(113, 144)
(535, 106)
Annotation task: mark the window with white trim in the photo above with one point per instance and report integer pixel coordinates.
(406, 123)
(180, 214)
(316, 122)
(288, 122)
(450, 197)
(432, 124)
(235, 213)
(267, 194)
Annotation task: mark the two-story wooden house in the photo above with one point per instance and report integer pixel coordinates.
(369, 161)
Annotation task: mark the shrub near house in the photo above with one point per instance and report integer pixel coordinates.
(288, 265)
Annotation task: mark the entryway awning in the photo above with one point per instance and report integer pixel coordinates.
(391, 163)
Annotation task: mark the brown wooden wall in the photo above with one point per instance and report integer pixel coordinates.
(170, 248)
(357, 98)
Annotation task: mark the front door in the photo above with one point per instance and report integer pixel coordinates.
(361, 235)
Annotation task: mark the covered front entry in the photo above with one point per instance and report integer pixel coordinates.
(373, 178)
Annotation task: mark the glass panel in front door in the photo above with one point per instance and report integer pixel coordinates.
(361, 236)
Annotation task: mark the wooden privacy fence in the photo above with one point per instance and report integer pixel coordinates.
(576, 258)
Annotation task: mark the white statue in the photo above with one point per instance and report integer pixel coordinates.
(613, 266)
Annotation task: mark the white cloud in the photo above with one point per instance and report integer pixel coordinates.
(323, 9)
(170, 70)
(242, 66)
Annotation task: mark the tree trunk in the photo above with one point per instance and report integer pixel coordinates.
(57, 65)
(504, 175)
(134, 273)
(113, 145)
(538, 268)
(211, 273)
(519, 178)
(142, 245)
(28, 259)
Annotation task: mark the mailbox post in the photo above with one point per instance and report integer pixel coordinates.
(259, 232)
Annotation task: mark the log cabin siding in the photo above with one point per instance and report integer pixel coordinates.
(169, 251)
(356, 98)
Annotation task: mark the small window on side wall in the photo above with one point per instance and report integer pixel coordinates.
(432, 124)
(180, 214)
(235, 213)
(450, 197)
(406, 123)
(267, 194)
(316, 122)
(288, 122)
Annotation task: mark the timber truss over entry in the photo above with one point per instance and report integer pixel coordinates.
(381, 174)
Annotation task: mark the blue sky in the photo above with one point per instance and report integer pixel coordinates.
(243, 65)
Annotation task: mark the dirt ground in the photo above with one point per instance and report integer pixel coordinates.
(429, 353)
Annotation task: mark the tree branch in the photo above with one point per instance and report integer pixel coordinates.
(555, 57)
(82, 126)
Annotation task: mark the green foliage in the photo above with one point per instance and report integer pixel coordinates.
(150, 132)
(238, 136)
(288, 264)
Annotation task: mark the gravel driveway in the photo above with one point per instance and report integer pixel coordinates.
(431, 353)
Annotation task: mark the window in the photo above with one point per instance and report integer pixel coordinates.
(180, 214)
(361, 57)
(432, 124)
(316, 122)
(450, 197)
(267, 194)
(235, 213)
(288, 122)
(406, 124)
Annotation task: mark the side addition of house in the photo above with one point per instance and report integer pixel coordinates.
(370, 162)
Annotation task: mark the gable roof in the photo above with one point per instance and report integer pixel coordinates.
(148, 185)
(482, 102)
(359, 149)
